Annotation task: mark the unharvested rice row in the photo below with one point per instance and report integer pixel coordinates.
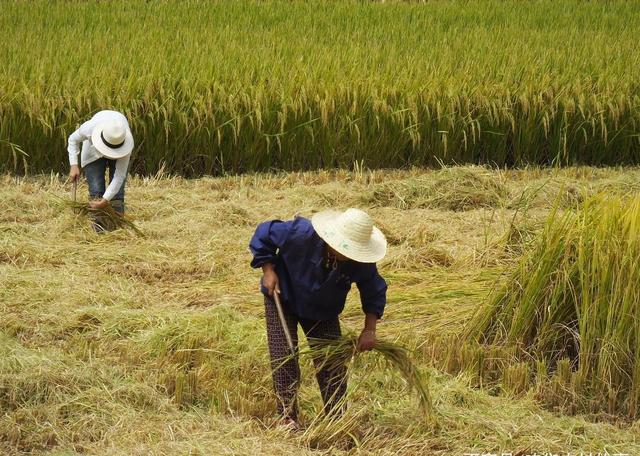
(216, 87)
(571, 307)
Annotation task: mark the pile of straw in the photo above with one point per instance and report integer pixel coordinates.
(456, 189)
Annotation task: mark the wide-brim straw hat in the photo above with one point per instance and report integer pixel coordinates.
(112, 139)
(352, 234)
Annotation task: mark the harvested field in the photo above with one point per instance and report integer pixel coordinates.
(120, 344)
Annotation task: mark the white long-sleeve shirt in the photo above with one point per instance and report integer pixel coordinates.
(90, 154)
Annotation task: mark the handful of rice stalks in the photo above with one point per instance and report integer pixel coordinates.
(107, 217)
(338, 352)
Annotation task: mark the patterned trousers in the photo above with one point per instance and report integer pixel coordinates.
(332, 378)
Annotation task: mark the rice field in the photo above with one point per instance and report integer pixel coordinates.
(495, 143)
(228, 87)
(569, 309)
(120, 344)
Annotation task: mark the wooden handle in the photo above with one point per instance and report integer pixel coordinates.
(283, 322)
(74, 189)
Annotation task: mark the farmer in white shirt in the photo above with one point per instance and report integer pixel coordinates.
(106, 143)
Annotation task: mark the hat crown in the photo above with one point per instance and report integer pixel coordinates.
(351, 233)
(114, 133)
(356, 225)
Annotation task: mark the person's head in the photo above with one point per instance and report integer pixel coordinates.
(351, 235)
(112, 139)
(335, 254)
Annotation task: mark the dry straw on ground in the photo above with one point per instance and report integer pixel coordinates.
(117, 344)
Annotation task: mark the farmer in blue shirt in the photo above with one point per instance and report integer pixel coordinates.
(311, 265)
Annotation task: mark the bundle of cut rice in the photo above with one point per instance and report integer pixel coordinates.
(108, 217)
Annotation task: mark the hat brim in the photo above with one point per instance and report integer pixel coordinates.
(372, 251)
(109, 152)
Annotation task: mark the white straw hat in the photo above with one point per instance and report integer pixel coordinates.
(352, 234)
(112, 139)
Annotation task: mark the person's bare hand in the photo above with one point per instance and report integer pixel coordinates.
(74, 173)
(270, 279)
(367, 340)
(98, 204)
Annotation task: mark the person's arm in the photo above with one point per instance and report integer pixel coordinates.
(267, 239)
(119, 175)
(373, 296)
(73, 148)
(367, 339)
(270, 279)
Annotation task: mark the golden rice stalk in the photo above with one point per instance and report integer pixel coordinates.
(107, 216)
(338, 352)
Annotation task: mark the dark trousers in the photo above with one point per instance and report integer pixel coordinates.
(332, 378)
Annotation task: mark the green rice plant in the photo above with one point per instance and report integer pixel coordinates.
(575, 297)
(219, 88)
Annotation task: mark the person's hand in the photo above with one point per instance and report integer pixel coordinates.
(98, 204)
(74, 173)
(270, 279)
(367, 340)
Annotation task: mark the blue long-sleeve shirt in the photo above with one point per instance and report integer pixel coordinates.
(307, 287)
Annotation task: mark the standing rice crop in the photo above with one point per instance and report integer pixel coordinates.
(218, 87)
(574, 302)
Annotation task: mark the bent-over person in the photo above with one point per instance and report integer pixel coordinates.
(107, 143)
(312, 265)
